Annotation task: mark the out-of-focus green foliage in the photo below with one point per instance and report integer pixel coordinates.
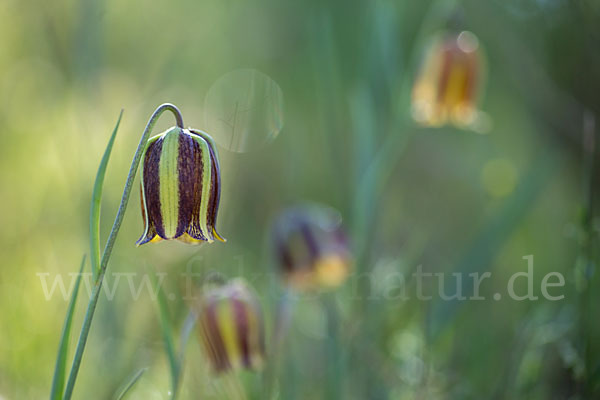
(448, 200)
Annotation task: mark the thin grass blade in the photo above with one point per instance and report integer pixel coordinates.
(130, 384)
(96, 200)
(58, 381)
(186, 331)
(168, 337)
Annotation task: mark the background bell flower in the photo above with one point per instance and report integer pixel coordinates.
(232, 327)
(180, 187)
(311, 248)
(448, 81)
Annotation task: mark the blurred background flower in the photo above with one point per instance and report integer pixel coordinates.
(232, 327)
(310, 247)
(449, 81)
(302, 99)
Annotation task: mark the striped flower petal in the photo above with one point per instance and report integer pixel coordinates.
(232, 327)
(180, 188)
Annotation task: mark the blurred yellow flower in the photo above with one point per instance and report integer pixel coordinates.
(232, 327)
(311, 247)
(448, 81)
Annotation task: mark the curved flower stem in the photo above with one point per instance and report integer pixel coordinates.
(91, 308)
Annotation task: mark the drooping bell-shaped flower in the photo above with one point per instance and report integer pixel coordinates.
(447, 85)
(180, 187)
(232, 327)
(311, 248)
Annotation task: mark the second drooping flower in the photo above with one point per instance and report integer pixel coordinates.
(448, 82)
(310, 247)
(180, 187)
(232, 327)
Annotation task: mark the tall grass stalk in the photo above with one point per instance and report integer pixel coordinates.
(58, 381)
(91, 308)
(96, 200)
(373, 178)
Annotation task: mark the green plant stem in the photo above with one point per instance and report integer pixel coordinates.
(372, 181)
(334, 389)
(89, 315)
(168, 340)
(283, 320)
(131, 383)
(370, 184)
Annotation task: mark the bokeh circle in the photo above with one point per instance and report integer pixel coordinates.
(244, 110)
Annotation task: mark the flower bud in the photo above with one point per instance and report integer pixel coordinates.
(232, 327)
(445, 90)
(311, 247)
(180, 187)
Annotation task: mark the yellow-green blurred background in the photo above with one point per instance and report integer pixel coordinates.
(451, 200)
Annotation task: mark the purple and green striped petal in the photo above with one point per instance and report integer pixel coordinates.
(231, 325)
(180, 184)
